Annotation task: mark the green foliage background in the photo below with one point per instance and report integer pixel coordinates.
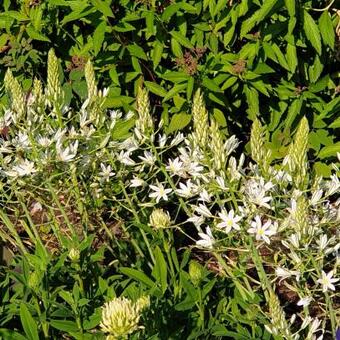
(274, 59)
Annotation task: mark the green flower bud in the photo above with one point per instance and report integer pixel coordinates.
(160, 219)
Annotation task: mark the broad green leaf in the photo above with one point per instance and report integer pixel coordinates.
(137, 51)
(252, 101)
(329, 151)
(335, 124)
(36, 35)
(157, 53)
(181, 39)
(322, 169)
(160, 270)
(98, 37)
(155, 88)
(103, 7)
(312, 31)
(176, 77)
(170, 11)
(211, 85)
(176, 48)
(326, 29)
(64, 325)
(138, 276)
(177, 88)
(178, 122)
(17, 15)
(229, 82)
(315, 70)
(28, 323)
(220, 117)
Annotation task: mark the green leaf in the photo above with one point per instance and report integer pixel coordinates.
(64, 325)
(103, 7)
(211, 85)
(293, 111)
(181, 39)
(160, 271)
(176, 77)
(329, 151)
(335, 124)
(137, 52)
(220, 117)
(36, 35)
(257, 17)
(312, 31)
(16, 15)
(291, 57)
(177, 88)
(28, 323)
(9, 334)
(326, 29)
(98, 37)
(290, 4)
(178, 122)
(138, 276)
(157, 53)
(155, 88)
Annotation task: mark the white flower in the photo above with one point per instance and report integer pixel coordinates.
(207, 240)
(230, 145)
(203, 210)
(284, 273)
(159, 192)
(187, 190)
(327, 281)
(304, 302)
(256, 191)
(24, 168)
(196, 220)
(106, 172)
(68, 153)
(176, 167)
(148, 158)
(333, 185)
(45, 142)
(316, 197)
(178, 139)
(205, 196)
(124, 157)
(229, 220)
(262, 231)
(162, 140)
(136, 182)
(221, 183)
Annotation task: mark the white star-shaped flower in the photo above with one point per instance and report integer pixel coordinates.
(207, 240)
(229, 220)
(262, 231)
(159, 192)
(327, 281)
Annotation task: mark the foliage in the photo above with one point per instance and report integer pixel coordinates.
(271, 59)
(97, 206)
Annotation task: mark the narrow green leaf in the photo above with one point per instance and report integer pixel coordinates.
(137, 51)
(312, 31)
(155, 88)
(98, 37)
(291, 57)
(160, 271)
(326, 29)
(9, 334)
(157, 53)
(184, 41)
(64, 325)
(290, 4)
(211, 85)
(28, 323)
(293, 110)
(138, 276)
(177, 88)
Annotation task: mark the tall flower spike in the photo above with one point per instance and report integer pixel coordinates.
(217, 149)
(301, 216)
(200, 120)
(279, 325)
(54, 92)
(38, 94)
(90, 81)
(297, 155)
(144, 122)
(18, 102)
(259, 153)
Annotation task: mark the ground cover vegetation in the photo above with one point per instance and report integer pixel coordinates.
(169, 170)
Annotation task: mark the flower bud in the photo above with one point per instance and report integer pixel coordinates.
(160, 219)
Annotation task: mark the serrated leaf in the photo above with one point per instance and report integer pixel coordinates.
(326, 29)
(181, 39)
(178, 122)
(312, 31)
(155, 88)
(98, 37)
(36, 35)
